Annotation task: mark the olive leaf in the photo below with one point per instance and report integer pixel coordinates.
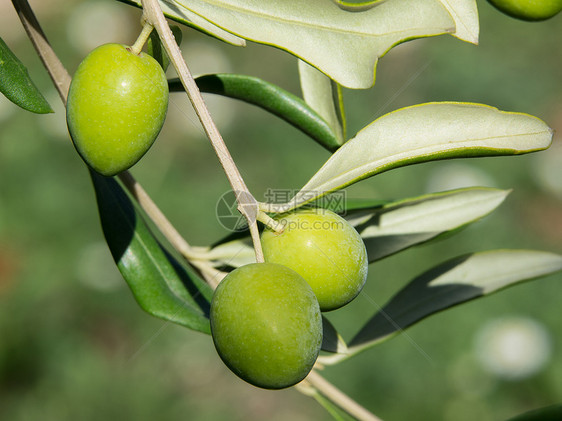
(342, 41)
(271, 98)
(465, 15)
(451, 283)
(16, 84)
(396, 226)
(160, 284)
(325, 97)
(422, 133)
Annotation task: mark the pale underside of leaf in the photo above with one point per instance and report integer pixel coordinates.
(424, 133)
(234, 253)
(465, 14)
(394, 227)
(454, 282)
(343, 44)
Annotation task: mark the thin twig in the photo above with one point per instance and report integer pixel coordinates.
(247, 204)
(57, 72)
(339, 398)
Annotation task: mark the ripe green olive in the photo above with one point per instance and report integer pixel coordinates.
(529, 9)
(116, 107)
(324, 249)
(266, 325)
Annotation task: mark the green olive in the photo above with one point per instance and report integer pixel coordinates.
(116, 107)
(324, 249)
(266, 325)
(531, 10)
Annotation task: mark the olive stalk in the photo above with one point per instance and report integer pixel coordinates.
(61, 79)
(247, 204)
(142, 38)
(315, 383)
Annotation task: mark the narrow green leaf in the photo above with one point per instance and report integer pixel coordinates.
(16, 84)
(548, 413)
(451, 283)
(156, 49)
(396, 226)
(193, 20)
(270, 97)
(422, 133)
(325, 97)
(160, 284)
(344, 42)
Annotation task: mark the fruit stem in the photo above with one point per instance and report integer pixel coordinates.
(147, 28)
(248, 206)
(267, 220)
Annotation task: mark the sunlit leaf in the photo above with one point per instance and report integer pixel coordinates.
(160, 284)
(271, 98)
(451, 283)
(343, 42)
(396, 226)
(324, 96)
(465, 14)
(16, 84)
(422, 133)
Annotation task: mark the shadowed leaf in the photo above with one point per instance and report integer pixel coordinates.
(160, 284)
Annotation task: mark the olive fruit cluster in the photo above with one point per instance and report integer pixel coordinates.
(266, 317)
(116, 107)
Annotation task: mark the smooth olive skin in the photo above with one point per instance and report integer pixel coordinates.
(324, 249)
(530, 10)
(266, 325)
(116, 107)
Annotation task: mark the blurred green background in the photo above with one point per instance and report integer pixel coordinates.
(73, 342)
